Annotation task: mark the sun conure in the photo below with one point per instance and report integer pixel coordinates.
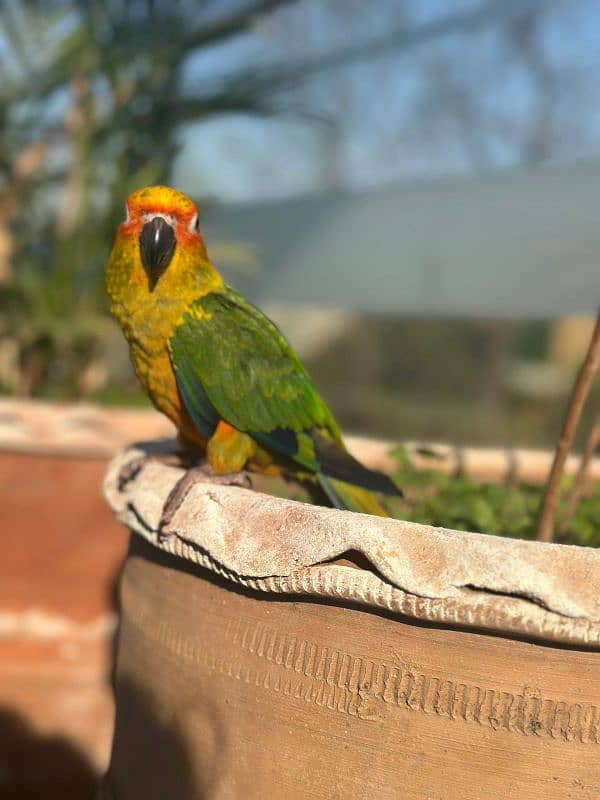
(215, 364)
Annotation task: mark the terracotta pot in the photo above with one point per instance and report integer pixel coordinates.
(270, 648)
(61, 553)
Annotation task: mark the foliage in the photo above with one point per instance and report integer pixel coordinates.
(92, 103)
(461, 503)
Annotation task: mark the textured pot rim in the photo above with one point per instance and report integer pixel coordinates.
(89, 431)
(468, 580)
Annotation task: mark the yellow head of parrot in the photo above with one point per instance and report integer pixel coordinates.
(160, 219)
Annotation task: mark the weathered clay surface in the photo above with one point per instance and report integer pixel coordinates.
(75, 429)
(276, 545)
(61, 553)
(224, 693)
(83, 429)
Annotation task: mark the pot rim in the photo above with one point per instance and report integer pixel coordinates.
(90, 431)
(470, 580)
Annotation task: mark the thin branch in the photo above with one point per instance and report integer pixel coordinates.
(237, 22)
(578, 396)
(580, 482)
(400, 39)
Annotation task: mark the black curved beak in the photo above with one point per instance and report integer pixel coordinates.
(157, 245)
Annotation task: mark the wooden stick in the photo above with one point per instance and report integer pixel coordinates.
(578, 396)
(580, 480)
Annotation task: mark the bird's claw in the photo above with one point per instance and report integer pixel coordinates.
(241, 479)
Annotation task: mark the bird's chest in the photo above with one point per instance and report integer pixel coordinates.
(154, 368)
(148, 325)
(148, 332)
(155, 372)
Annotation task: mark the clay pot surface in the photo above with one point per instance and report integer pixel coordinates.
(275, 649)
(61, 553)
(229, 693)
(63, 549)
(31, 426)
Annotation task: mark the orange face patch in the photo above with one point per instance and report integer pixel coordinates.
(177, 208)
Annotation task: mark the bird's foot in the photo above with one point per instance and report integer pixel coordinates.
(183, 486)
(132, 469)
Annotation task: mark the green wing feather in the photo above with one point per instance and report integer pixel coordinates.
(250, 375)
(233, 363)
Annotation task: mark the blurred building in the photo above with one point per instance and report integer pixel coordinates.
(514, 244)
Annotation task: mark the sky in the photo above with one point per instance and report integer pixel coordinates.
(456, 103)
(451, 87)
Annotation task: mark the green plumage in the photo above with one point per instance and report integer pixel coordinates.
(233, 363)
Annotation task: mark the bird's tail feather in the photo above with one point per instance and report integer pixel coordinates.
(353, 498)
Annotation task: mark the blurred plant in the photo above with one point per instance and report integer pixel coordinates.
(90, 108)
(505, 509)
(93, 99)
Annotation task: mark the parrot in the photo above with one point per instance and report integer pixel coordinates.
(218, 367)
